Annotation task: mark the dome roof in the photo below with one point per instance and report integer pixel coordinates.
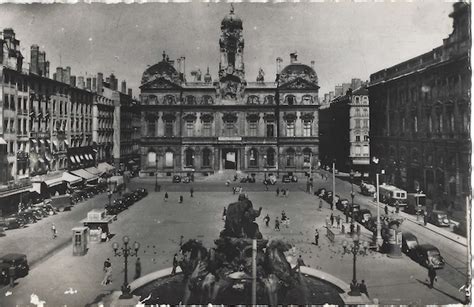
(231, 21)
(298, 69)
(162, 69)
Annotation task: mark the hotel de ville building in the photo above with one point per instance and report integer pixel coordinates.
(229, 123)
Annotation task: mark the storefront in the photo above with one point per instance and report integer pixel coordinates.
(88, 177)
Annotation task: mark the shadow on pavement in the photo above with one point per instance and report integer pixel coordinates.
(99, 298)
(440, 291)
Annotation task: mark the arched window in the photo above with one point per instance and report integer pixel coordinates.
(415, 124)
(270, 157)
(152, 99)
(253, 157)
(189, 157)
(207, 99)
(307, 99)
(269, 99)
(357, 99)
(290, 157)
(151, 159)
(430, 124)
(190, 99)
(290, 100)
(169, 99)
(206, 157)
(253, 100)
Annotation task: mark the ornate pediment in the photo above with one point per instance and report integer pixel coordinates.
(229, 117)
(253, 117)
(269, 117)
(169, 117)
(207, 117)
(160, 83)
(190, 117)
(309, 116)
(298, 83)
(289, 117)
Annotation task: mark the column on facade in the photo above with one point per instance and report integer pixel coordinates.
(160, 124)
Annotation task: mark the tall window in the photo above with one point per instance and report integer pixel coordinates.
(229, 128)
(306, 157)
(357, 123)
(357, 138)
(270, 129)
(290, 157)
(290, 128)
(169, 131)
(189, 127)
(206, 128)
(403, 125)
(291, 100)
(169, 159)
(206, 157)
(269, 99)
(430, 124)
(253, 157)
(189, 157)
(415, 124)
(270, 157)
(440, 123)
(253, 128)
(365, 123)
(451, 121)
(307, 128)
(152, 159)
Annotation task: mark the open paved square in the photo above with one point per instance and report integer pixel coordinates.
(158, 225)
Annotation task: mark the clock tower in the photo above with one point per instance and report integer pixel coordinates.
(231, 82)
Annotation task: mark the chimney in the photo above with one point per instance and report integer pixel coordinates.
(89, 83)
(94, 84)
(293, 57)
(130, 92)
(100, 79)
(312, 64)
(59, 74)
(34, 50)
(124, 87)
(67, 75)
(41, 60)
(46, 69)
(80, 82)
(73, 81)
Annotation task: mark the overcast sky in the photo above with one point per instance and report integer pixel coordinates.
(344, 39)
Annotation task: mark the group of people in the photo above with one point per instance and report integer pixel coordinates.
(282, 192)
(107, 268)
(181, 198)
(285, 220)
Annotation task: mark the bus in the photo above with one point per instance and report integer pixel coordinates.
(390, 195)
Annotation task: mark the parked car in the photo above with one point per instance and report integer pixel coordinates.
(328, 196)
(426, 255)
(28, 216)
(438, 218)
(186, 179)
(271, 180)
(4, 274)
(289, 178)
(342, 204)
(248, 179)
(363, 216)
(409, 243)
(461, 228)
(367, 189)
(18, 261)
(320, 192)
(11, 222)
(176, 179)
(142, 192)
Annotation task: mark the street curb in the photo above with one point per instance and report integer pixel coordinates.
(62, 245)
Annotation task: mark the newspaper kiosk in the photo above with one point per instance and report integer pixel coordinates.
(80, 237)
(98, 222)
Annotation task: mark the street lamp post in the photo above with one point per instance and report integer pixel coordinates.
(156, 175)
(379, 240)
(126, 252)
(265, 167)
(354, 248)
(333, 184)
(352, 196)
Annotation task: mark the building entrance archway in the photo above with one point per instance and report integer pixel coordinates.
(229, 158)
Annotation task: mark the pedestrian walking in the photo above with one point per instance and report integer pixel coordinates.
(266, 219)
(300, 263)
(425, 218)
(108, 276)
(287, 192)
(332, 219)
(191, 191)
(320, 204)
(180, 199)
(54, 231)
(397, 207)
(241, 190)
(234, 189)
(166, 196)
(277, 224)
(278, 191)
(432, 275)
(224, 214)
(363, 288)
(386, 210)
(138, 268)
(316, 237)
(352, 228)
(338, 221)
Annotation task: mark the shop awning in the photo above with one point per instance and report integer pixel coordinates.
(92, 157)
(41, 141)
(77, 159)
(82, 157)
(55, 143)
(105, 167)
(83, 174)
(54, 181)
(94, 171)
(71, 178)
(72, 159)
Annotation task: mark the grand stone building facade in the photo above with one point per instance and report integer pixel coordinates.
(420, 117)
(205, 127)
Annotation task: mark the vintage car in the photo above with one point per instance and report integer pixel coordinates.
(409, 242)
(18, 261)
(428, 255)
(363, 216)
(438, 218)
(176, 179)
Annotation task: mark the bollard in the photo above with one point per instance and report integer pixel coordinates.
(358, 229)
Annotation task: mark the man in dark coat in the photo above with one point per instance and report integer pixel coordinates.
(363, 288)
(431, 275)
(138, 268)
(316, 237)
